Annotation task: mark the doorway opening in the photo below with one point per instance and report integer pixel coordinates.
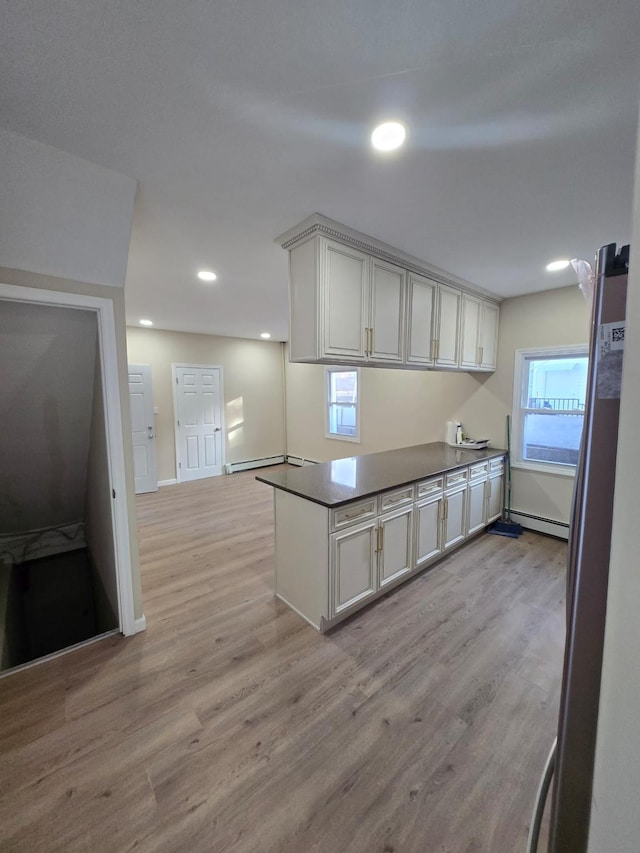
(65, 569)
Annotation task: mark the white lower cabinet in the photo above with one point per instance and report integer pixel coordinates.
(454, 522)
(428, 530)
(395, 545)
(330, 562)
(494, 497)
(477, 508)
(353, 566)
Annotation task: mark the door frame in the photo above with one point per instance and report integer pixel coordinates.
(103, 309)
(175, 366)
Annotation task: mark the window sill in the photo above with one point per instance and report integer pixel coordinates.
(354, 439)
(542, 468)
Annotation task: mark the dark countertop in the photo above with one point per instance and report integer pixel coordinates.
(343, 480)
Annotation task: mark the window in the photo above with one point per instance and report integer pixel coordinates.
(343, 404)
(548, 408)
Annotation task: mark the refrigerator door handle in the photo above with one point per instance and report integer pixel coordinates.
(541, 799)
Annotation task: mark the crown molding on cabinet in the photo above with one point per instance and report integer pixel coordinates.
(319, 224)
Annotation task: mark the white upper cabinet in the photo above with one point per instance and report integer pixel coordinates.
(386, 323)
(355, 300)
(470, 324)
(421, 314)
(479, 333)
(344, 273)
(488, 335)
(447, 337)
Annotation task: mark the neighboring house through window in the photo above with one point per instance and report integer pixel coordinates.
(342, 417)
(549, 394)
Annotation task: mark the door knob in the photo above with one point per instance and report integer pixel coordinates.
(217, 429)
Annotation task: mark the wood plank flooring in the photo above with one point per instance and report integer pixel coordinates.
(421, 725)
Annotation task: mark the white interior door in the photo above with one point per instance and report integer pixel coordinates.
(143, 428)
(199, 426)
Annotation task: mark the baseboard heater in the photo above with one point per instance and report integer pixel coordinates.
(540, 524)
(232, 467)
(300, 461)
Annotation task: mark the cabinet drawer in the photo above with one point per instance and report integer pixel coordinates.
(390, 500)
(456, 478)
(430, 487)
(496, 466)
(352, 513)
(478, 471)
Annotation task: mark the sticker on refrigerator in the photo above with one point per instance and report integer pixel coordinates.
(610, 351)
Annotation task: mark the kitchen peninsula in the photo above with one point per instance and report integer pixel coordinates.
(349, 530)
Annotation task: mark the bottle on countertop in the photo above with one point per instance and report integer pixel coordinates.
(459, 434)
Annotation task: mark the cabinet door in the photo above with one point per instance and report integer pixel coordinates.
(353, 563)
(488, 335)
(469, 346)
(428, 529)
(454, 525)
(396, 540)
(448, 326)
(344, 274)
(421, 304)
(494, 497)
(477, 514)
(386, 337)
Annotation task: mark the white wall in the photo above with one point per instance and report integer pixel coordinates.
(61, 215)
(615, 816)
(46, 389)
(253, 390)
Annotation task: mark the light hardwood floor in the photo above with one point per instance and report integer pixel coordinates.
(419, 726)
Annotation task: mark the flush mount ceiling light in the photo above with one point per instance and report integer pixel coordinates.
(265, 334)
(207, 275)
(146, 322)
(556, 266)
(388, 136)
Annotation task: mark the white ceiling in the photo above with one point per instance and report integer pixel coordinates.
(239, 118)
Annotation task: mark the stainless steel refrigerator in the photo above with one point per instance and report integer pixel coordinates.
(570, 764)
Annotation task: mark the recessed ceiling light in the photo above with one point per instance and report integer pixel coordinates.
(555, 266)
(207, 275)
(265, 334)
(146, 322)
(388, 136)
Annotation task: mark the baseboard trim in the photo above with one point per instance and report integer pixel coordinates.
(300, 461)
(173, 482)
(541, 524)
(262, 462)
(140, 624)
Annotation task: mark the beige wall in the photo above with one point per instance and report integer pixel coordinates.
(253, 390)
(400, 407)
(550, 318)
(116, 295)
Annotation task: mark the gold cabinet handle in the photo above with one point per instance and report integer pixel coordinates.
(436, 349)
(368, 340)
(480, 355)
(379, 539)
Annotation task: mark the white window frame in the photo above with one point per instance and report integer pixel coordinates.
(327, 405)
(517, 417)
